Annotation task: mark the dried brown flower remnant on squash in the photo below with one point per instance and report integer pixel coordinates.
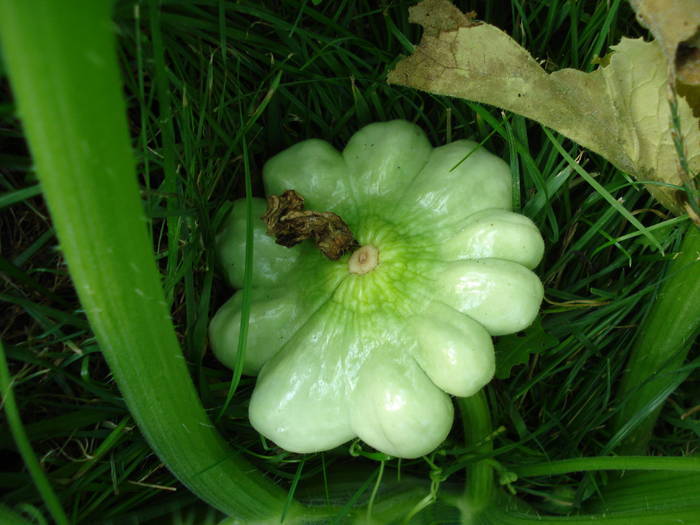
(290, 224)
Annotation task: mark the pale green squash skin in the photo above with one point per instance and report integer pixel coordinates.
(376, 356)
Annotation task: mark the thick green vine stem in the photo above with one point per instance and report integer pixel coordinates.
(476, 420)
(661, 347)
(63, 69)
(497, 516)
(622, 463)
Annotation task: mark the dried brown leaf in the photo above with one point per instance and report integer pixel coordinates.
(675, 25)
(620, 111)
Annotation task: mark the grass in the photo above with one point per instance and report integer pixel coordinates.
(214, 89)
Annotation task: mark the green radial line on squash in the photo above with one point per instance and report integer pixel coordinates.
(365, 294)
(400, 281)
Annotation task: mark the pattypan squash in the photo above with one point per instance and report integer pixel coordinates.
(372, 345)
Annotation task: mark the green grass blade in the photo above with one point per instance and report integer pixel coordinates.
(10, 517)
(496, 516)
(663, 343)
(24, 446)
(11, 197)
(653, 489)
(565, 466)
(247, 279)
(62, 65)
(165, 120)
(603, 192)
